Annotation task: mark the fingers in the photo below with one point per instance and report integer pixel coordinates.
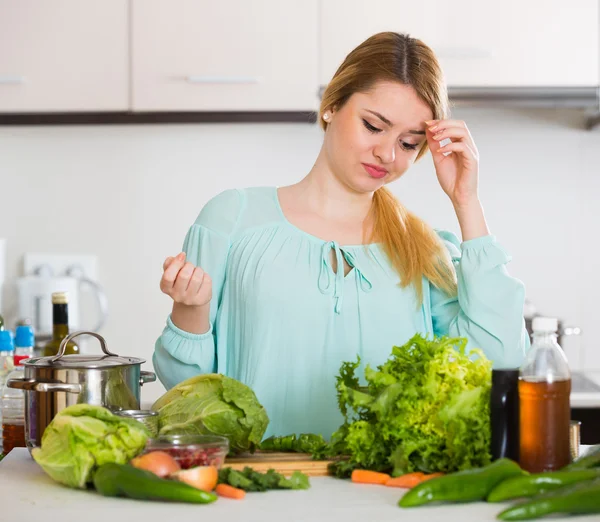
(457, 146)
(171, 269)
(454, 130)
(437, 125)
(183, 280)
(196, 281)
(451, 132)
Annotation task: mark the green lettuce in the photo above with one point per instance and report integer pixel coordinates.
(213, 404)
(425, 409)
(81, 438)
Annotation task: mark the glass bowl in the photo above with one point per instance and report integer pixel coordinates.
(192, 450)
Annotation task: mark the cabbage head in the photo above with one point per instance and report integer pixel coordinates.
(213, 404)
(81, 438)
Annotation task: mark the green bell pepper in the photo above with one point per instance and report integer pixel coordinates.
(463, 486)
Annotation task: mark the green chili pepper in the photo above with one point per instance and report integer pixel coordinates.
(530, 485)
(463, 486)
(591, 460)
(122, 480)
(580, 498)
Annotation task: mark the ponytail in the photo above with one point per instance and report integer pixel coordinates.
(413, 247)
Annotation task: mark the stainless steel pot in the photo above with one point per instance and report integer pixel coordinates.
(53, 383)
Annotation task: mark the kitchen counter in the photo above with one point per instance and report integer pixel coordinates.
(583, 394)
(28, 494)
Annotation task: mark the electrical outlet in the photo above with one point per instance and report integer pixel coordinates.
(58, 264)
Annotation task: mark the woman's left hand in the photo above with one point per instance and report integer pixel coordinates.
(458, 172)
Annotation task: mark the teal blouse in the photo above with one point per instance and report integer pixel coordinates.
(282, 321)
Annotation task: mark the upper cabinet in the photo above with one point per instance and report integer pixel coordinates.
(514, 43)
(208, 59)
(64, 55)
(230, 55)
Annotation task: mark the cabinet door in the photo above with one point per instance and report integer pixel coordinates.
(230, 55)
(346, 23)
(530, 43)
(63, 55)
(522, 43)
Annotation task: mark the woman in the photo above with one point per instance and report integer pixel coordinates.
(276, 287)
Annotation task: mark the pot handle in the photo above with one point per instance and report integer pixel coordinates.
(147, 377)
(63, 344)
(31, 385)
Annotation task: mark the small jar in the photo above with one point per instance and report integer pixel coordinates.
(148, 418)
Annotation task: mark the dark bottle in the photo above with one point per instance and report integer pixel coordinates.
(60, 327)
(504, 411)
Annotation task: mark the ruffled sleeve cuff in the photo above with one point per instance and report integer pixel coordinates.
(189, 348)
(483, 252)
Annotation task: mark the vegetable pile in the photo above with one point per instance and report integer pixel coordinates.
(425, 409)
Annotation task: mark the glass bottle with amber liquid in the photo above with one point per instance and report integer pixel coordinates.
(60, 326)
(544, 401)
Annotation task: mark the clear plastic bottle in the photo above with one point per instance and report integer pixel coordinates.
(12, 400)
(544, 401)
(6, 359)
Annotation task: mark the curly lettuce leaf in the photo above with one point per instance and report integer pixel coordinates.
(425, 409)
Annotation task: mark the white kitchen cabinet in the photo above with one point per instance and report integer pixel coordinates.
(231, 55)
(513, 43)
(63, 55)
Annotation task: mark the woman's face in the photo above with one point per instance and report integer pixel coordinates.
(375, 136)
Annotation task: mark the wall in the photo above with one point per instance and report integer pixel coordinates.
(129, 193)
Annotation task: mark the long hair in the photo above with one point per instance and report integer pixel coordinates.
(413, 248)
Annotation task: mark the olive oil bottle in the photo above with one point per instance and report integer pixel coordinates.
(60, 326)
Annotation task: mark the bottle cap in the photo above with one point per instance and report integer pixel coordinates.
(60, 298)
(24, 336)
(544, 324)
(6, 341)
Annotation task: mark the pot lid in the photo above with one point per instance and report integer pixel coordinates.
(82, 361)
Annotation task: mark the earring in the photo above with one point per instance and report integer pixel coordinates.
(326, 116)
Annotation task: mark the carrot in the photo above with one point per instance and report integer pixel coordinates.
(227, 491)
(365, 476)
(408, 480)
(432, 476)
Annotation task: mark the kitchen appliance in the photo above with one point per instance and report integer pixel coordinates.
(35, 291)
(53, 383)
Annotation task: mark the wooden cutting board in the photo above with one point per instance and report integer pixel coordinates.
(281, 462)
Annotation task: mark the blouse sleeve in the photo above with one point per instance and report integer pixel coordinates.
(179, 355)
(488, 309)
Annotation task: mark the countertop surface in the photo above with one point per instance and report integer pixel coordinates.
(29, 494)
(585, 393)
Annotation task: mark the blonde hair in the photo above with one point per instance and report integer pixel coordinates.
(413, 247)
